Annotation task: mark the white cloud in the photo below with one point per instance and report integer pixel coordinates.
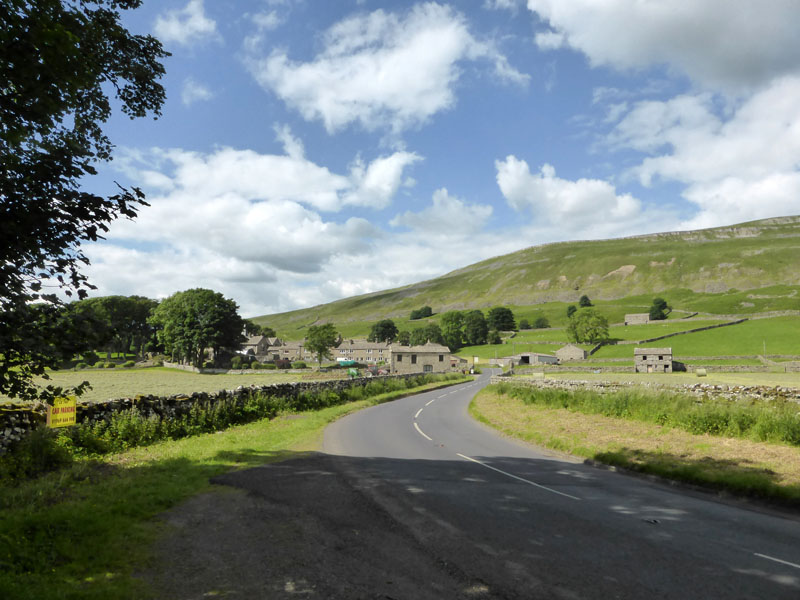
(446, 216)
(377, 183)
(194, 91)
(585, 205)
(737, 166)
(735, 44)
(381, 70)
(186, 26)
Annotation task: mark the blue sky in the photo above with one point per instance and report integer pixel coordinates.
(311, 150)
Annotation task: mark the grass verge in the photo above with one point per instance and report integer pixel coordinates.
(739, 466)
(82, 532)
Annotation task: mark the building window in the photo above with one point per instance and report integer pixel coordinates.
(660, 358)
(441, 358)
(427, 368)
(399, 358)
(413, 359)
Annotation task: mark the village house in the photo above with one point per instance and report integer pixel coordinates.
(652, 360)
(637, 319)
(256, 345)
(570, 352)
(294, 351)
(362, 351)
(430, 358)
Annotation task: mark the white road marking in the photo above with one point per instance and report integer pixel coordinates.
(534, 484)
(417, 415)
(778, 560)
(442, 396)
(422, 433)
(430, 402)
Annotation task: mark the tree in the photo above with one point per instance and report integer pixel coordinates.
(197, 319)
(60, 58)
(501, 319)
(494, 337)
(430, 333)
(541, 322)
(584, 301)
(571, 310)
(589, 326)
(404, 338)
(452, 324)
(659, 310)
(475, 328)
(383, 331)
(524, 324)
(125, 321)
(320, 340)
(421, 313)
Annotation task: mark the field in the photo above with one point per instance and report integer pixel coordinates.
(767, 379)
(108, 384)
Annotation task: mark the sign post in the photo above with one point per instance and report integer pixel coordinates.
(62, 413)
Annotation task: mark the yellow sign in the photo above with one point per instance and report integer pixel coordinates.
(62, 413)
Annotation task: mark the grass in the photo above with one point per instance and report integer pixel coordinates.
(740, 466)
(83, 532)
(127, 383)
(765, 379)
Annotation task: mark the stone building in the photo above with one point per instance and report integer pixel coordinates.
(362, 351)
(535, 358)
(637, 319)
(570, 352)
(652, 360)
(430, 358)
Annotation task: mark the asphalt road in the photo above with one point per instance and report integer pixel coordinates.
(522, 522)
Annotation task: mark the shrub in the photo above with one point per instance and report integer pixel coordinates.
(81, 365)
(269, 366)
(110, 365)
(90, 357)
(236, 362)
(255, 365)
(299, 364)
(209, 364)
(245, 365)
(37, 453)
(129, 364)
(99, 364)
(283, 363)
(541, 323)
(523, 324)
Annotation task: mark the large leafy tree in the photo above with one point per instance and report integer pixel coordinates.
(60, 60)
(320, 340)
(475, 328)
(452, 324)
(191, 321)
(123, 321)
(501, 319)
(383, 331)
(587, 325)
(430, 333)
(659, 310)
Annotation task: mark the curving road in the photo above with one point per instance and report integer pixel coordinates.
(523, 522)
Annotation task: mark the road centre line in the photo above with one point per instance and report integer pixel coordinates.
(534, 484)
(422, 433)
(429, 402)
(777, 560)
(417, 415)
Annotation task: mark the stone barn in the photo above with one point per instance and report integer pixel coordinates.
(652, 360)
(637, 319)
(570, 352)
(430, 358)
(535, 358)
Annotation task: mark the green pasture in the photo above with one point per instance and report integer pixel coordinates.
(109, 384)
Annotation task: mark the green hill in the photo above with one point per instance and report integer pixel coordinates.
(741, 269)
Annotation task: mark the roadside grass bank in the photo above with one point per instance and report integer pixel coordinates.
(694, 448)
(85, 530)
(713, 378)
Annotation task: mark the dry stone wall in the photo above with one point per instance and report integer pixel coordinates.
(17, 419)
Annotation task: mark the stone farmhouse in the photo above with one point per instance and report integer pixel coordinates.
(535, 358)
(430, 358)
(362, 351)
(652, 360)
(570, 352)
(637, 319)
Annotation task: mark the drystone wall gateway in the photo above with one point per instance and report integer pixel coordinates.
(17, 419)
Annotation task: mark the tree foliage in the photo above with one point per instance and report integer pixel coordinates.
(524, 324)
(430, 333)
(320, 340)
(659, 309)
(571, 310)
(421, 313)
(584, 301)
(383, 331)
(501, 319)
(589, 326)
(452, 324)
(541, 322)
(475, 328)
(60, 58)
(191, 321)
(122, 323)
(494, 337)
(404, 338)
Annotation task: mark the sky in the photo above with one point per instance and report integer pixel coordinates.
(311, 150)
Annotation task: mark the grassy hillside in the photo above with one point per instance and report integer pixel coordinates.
(742, 269)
